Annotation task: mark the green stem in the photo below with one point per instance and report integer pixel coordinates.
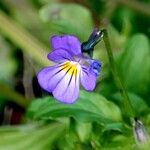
(127, 104)
(7, 92)
(23, 39)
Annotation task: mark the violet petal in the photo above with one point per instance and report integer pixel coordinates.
(59, 55)
(49, 77)
(67, 91)
(88, 79)
(67, 42)
(95, 67)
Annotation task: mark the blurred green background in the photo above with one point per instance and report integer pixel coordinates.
(30, 118)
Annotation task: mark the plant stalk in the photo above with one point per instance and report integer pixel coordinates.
(128, 108)
(23, 39)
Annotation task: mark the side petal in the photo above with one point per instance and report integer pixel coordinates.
(67, 42)
(88, 79)
(95, 67)
(67, 91)
(49, 77)
(59, 55)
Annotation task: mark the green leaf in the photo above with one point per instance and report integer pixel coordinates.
(120, 127)
(120, 142)
(23, 39)
(136, 101)
(89, 107)
(30, 137)
(134, 64)
(84, 131)
(68, 19)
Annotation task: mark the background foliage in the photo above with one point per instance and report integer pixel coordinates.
(96, 121)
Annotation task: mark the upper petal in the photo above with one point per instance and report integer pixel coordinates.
(69, 43)
(59, 55)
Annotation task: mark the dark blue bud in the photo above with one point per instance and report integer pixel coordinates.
(94, 38)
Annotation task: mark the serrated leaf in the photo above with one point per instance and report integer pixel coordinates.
(68, 19)
(89, 107)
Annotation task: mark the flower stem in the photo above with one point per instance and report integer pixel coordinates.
(128, 108)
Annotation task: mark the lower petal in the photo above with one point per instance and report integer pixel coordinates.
(67, 91)
(88, 79)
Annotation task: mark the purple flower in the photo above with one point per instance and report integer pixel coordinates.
(72, 67)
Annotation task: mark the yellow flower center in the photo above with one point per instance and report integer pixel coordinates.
(70, 67)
